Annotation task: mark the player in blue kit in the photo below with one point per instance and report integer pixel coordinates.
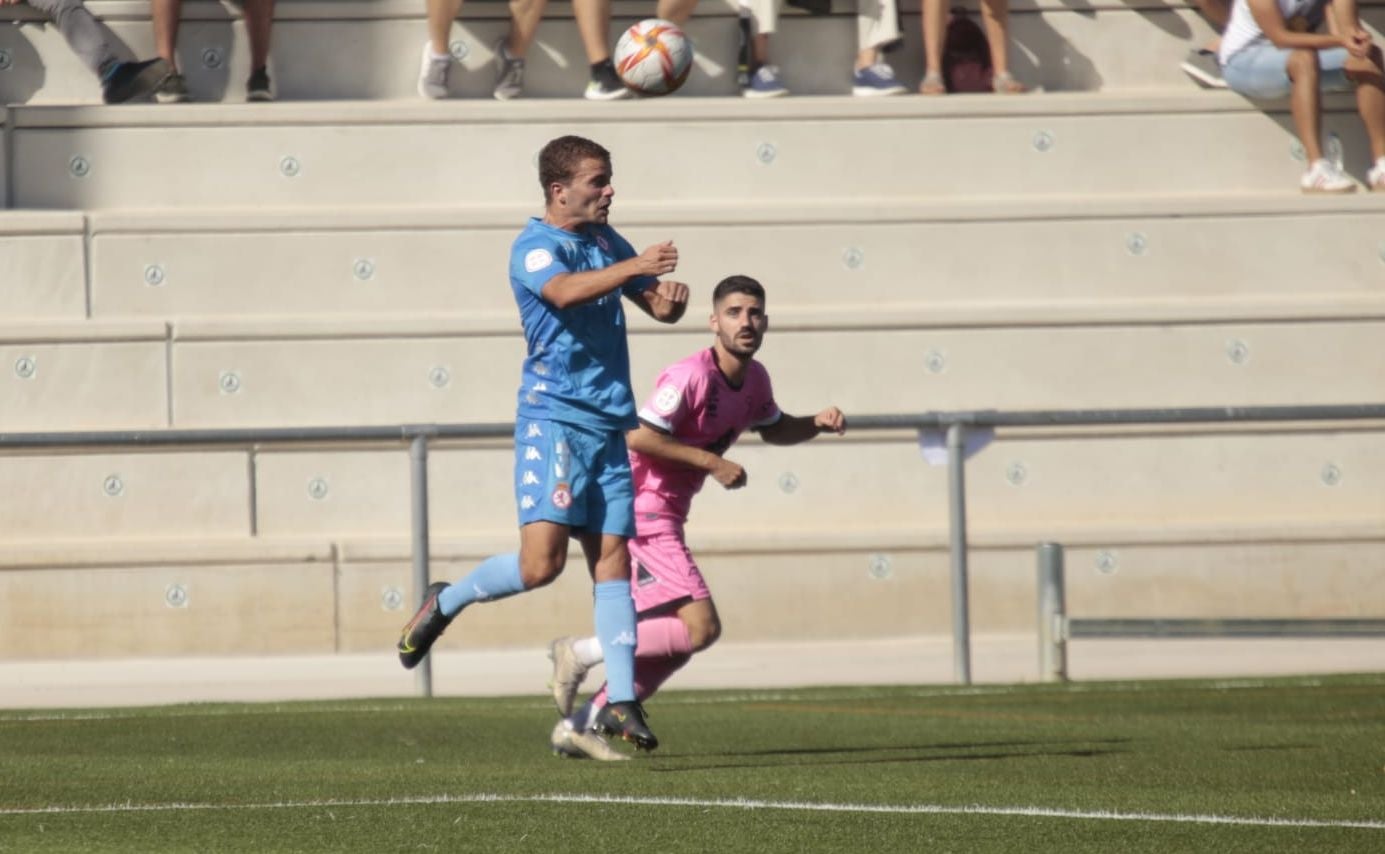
(568, 271)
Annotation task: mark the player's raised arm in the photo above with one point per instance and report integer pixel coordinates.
(663, 301)
(568, 289)
(659, 445)
(792, 429)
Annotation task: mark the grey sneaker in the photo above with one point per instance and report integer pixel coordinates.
(567, 740)
(173, 90)
(1202, 66)
(509, 74)
(568, 674)
(432, 74)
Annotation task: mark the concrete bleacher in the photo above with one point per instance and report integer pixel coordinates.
(1123, 240)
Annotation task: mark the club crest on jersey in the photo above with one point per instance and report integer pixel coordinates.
(537, 259)
(603, 243)
(666, 400)
(562, 497)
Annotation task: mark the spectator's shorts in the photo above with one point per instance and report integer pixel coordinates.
(1261, 71)
(574, 477)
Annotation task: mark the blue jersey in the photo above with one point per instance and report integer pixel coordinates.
(578, 367)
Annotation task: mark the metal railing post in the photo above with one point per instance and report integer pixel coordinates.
(1053, 609)
(418, 481)
(957, 518)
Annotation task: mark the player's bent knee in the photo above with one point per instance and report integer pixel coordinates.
(704, 634)
(540, 573)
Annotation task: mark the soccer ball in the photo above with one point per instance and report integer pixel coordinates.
(653, 57)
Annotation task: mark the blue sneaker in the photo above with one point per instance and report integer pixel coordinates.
(765, 83)
(877, 79)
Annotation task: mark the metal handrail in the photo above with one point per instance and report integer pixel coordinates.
(955, 424)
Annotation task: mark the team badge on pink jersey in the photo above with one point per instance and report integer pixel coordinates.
(694, 403)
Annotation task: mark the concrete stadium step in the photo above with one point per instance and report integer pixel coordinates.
(1082, 259)
(369, 48)
(807, 150)
(1087, 260)
(110, 376)
(1053, 487)
(320, 597)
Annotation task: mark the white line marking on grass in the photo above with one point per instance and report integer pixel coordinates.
(736, 803)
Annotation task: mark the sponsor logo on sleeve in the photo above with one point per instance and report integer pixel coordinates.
(666, 400)
(537, 259)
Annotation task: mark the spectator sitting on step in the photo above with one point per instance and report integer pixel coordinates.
(259, 16)
(121, 81)
(1201, 64)
(1271, 49)
(995, 17)
(509, 51)
(877, 30)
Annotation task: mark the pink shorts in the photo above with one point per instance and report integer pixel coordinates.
(662, 570)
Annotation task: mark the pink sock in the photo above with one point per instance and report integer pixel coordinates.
(662, 637)
(662, 646)
(650, 673)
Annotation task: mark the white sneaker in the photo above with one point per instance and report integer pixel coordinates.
(571, 742)
(1324, 177)
(432, 74)
(568, 673)
(1375, 178)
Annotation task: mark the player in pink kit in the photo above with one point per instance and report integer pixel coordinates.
(699, 407)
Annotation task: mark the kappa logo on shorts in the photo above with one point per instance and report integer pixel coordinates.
(528, 503)
(529, 479)
(537, 259)
(533, 432)
(643, 577)
(562, 497)
(532, 453)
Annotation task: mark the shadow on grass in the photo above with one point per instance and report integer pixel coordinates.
(891, 754)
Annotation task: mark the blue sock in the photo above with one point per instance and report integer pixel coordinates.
(496, 578)
(615, 628)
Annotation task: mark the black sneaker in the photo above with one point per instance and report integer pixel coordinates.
(257, 87)
(131, 80)
(426, 626)
(605, 84)
(173, 90)
(627, 721)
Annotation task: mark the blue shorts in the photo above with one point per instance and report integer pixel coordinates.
(1262, 71)
(573, 476)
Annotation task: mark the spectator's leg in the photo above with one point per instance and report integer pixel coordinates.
(995, 16)
(166, 15)
(525, 16)
(593, 25)
(1217, 13)
(1370, 102)
(759, 50)
(933, 25)
(81, 32)
(1305, 102)
(877, 25)
(677, 11)
(259, 17)
(441, 14)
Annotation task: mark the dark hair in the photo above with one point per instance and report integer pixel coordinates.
(559, 159)
(737, 285)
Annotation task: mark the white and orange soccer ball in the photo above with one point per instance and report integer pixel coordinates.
(653, 57)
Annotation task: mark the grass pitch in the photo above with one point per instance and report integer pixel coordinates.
(1246, 765)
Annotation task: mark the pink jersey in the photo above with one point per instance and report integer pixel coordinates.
(694, 403)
